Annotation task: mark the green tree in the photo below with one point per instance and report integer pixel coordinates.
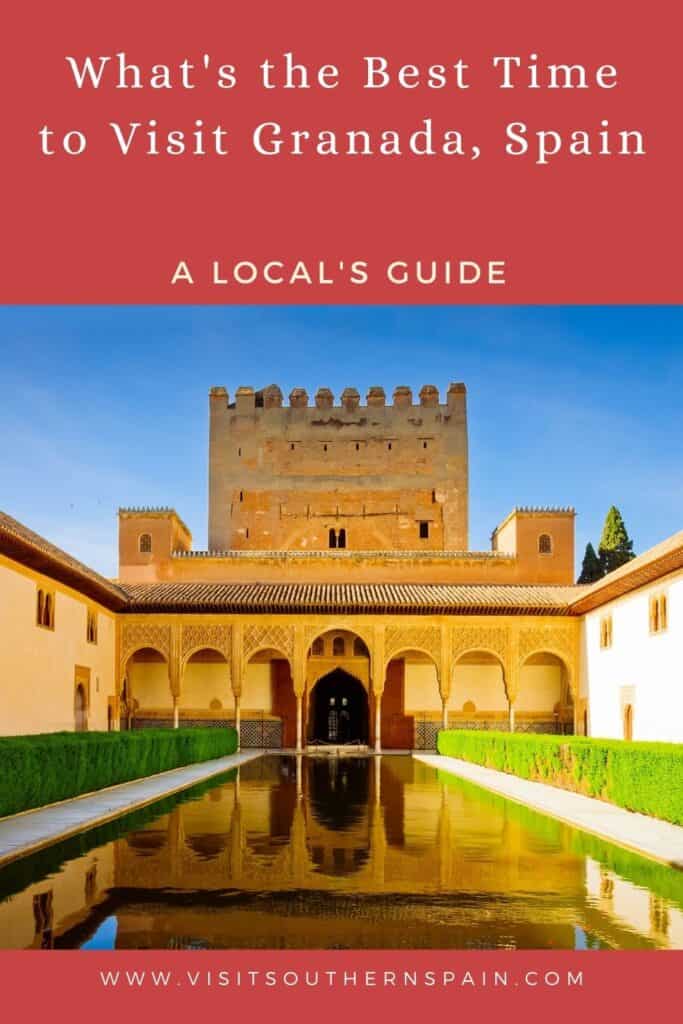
(616, 547)
(591, 570)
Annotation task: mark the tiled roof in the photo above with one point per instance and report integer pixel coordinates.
(349, 598)
(30, 549)
(652, 565)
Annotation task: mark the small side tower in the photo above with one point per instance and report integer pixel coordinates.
(147, 539)
(542, 541)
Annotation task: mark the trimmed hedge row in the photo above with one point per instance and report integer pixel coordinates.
(42, 769)
(645, 777)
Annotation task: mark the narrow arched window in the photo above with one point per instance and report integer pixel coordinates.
(332, 539)
(145, 543)
(341, 543)
(48, 612)
(317, 648)
(338, 647)
(545, 544)
(40, 611)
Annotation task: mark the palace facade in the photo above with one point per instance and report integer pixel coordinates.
(338, 600)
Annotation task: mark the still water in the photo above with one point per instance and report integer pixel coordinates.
(325, 852)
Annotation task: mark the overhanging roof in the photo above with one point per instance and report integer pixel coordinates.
(350, 598)
(30, 549)
(652, 565)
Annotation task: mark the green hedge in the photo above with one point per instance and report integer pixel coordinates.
(645, 777)
(38, 770)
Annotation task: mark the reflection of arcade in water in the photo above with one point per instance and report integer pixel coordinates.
(352, 852)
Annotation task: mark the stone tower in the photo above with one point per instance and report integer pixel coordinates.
(365, 477)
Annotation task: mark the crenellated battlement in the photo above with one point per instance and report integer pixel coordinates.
(249, 400)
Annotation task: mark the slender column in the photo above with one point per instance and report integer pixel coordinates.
(238, 718)
(175, 672)
(236, 673)
(299, 723)
(445, 673)
(378, 722)
(299, 682)
(512, 671)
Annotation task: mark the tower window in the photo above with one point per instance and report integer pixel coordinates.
(241, 495)
(606, 632)
(545, 544)
(341, 540)
(91, 627)
(658, 613)
(324, 447)
(424, 530)
(389, 446)
(332, 539)
(45, 611)
(239, 452)
(145, 544)
(424, 444)
(357, 446)
(291, 447)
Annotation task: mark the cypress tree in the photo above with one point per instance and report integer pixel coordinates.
(616, 547)
(591, 570)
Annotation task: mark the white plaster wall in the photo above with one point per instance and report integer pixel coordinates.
(204, 682)
(149, 685)
(481, 684)
(540, 687)
(421, 691)
(651, 664)
(37, 665)
(256, 689)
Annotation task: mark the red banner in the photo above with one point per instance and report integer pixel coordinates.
(502, 153)
(405, 985)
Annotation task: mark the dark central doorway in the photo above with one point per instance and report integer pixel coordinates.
(339, 710)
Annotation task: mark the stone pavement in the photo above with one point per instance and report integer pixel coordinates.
(649, 836)
(23, 833)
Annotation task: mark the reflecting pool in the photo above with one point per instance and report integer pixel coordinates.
(324, 852)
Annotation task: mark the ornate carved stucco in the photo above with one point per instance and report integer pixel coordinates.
(554, 639)
(202, 635)
(313, 631)
(257, 638)
(494, 639)
(418, 638)
(136, 635)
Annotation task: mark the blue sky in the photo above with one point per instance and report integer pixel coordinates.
(107, 406)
